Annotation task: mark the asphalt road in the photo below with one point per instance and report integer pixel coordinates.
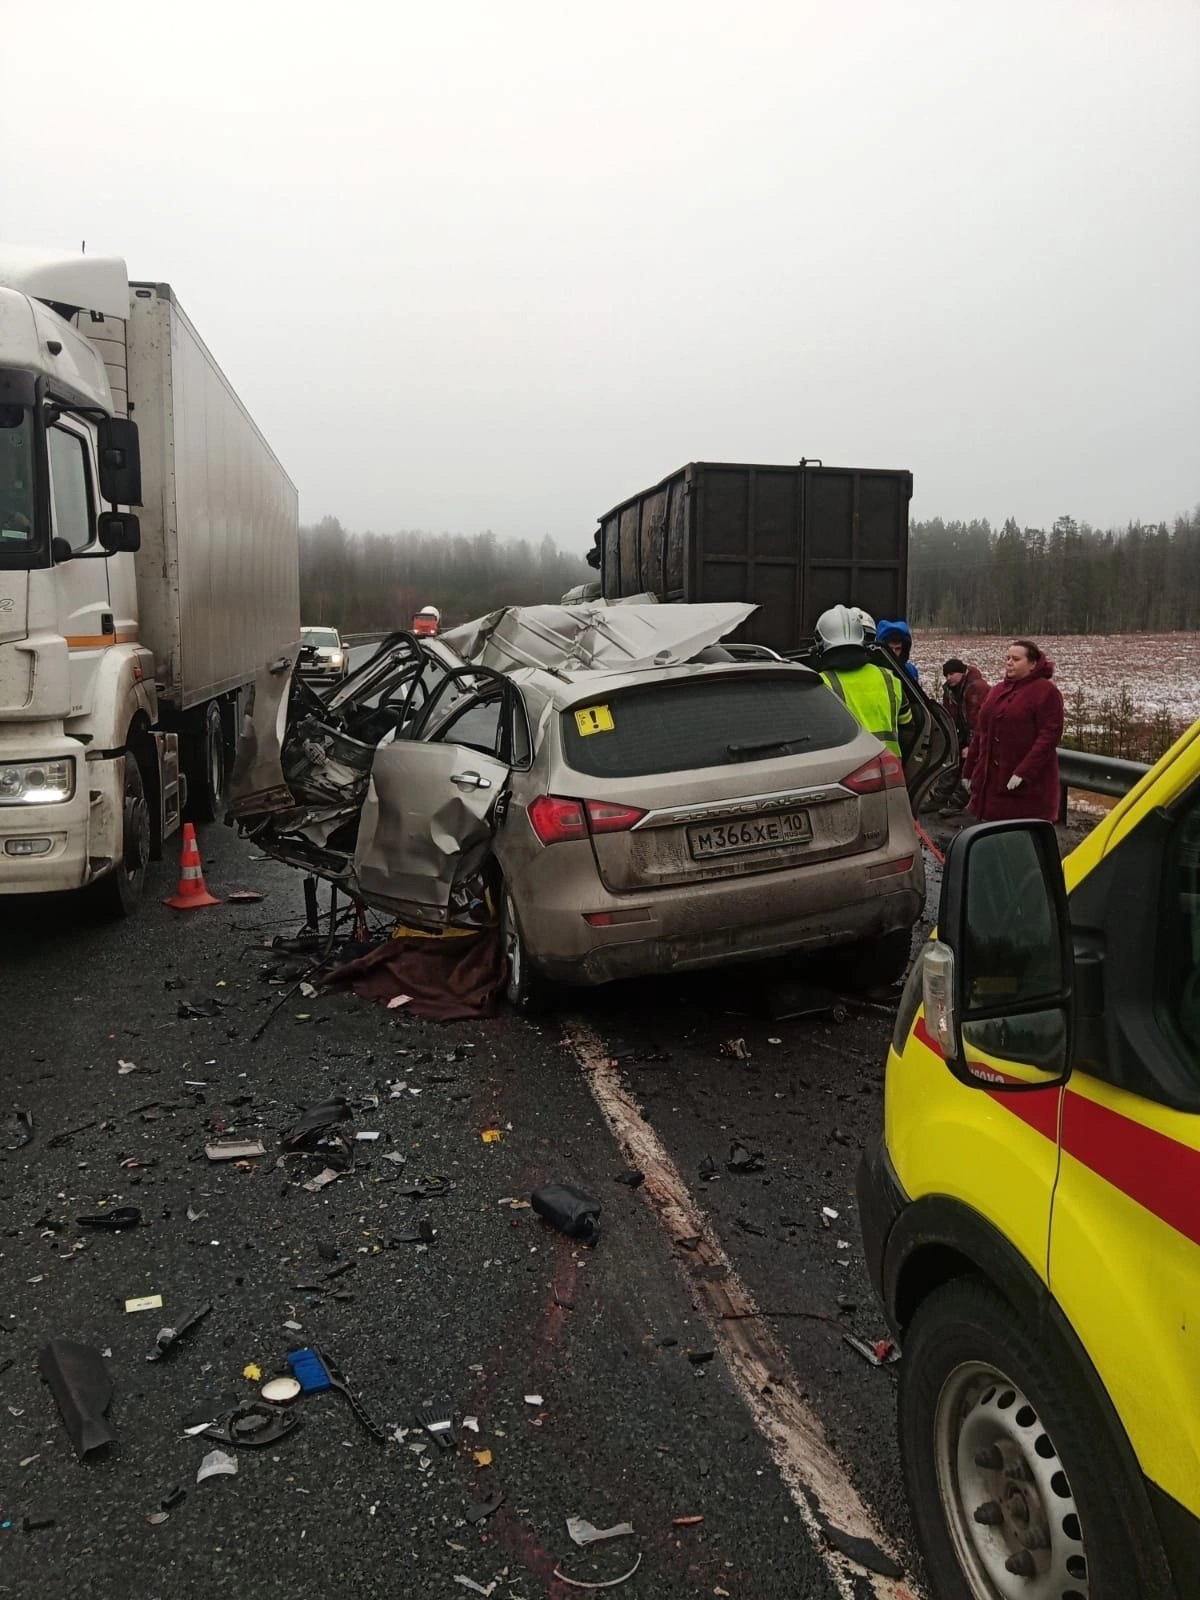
(497, 1308)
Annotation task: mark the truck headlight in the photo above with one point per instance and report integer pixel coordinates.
(36, 783)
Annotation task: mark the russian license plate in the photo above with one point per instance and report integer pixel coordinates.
(749, 833)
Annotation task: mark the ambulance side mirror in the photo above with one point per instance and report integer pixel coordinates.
(999, 978)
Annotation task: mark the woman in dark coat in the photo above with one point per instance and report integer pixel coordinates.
(1012, 763)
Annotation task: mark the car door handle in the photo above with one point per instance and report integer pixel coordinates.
(471, 780)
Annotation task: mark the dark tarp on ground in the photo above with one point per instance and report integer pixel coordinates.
(449, 979)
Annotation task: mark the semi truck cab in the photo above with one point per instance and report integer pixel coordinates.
(77, 688)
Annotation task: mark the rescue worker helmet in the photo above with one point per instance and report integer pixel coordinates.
(838, 626)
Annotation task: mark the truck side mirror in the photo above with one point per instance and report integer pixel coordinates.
(999, 978)
(118, 532)
(120, 461)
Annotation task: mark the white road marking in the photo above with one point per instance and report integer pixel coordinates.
(814, 1477)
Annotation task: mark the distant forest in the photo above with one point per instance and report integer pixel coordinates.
(1072, 579)
(962, 576)
(360, 582)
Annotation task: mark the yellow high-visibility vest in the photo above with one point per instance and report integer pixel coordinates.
(873, 697)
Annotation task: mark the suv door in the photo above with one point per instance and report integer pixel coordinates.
(1125, 1227)
(433, 800)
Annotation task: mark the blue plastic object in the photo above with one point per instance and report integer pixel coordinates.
(309, 1371)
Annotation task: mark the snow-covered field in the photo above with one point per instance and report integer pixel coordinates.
(1161, 670)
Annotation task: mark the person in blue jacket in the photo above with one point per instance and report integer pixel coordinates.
(897, 637)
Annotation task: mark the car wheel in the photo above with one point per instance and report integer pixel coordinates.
(525, 989)
(119, 892)
(1016, 1488)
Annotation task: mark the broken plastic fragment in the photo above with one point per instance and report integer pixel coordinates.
(584, 1532)
(475, 1588)
(314, 1121)
(81, 1385)
(368, 1137)
(534, 1400)
(483, 1458)
(280, 1391)
(145, 1302)
(686, 1522)
(125, 1067)
(242, 897)
(438, 1424)
(611, 1583)
(115, 1220)
(322, 1179)
(491, 1136)
(252, 1371)
(168, 1337)
(480, 1510)
(234, 1149)
(399, 1000)
(217, 1464)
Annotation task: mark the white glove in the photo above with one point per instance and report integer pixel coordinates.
(966, 784)
(1013, 783)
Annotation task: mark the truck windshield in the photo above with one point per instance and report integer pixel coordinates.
(18, 539)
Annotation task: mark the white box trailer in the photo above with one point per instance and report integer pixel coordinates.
(218, 572)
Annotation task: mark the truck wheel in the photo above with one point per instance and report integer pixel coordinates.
(526, 990)
(119, 892)
(1016, 1488)
(206, 764)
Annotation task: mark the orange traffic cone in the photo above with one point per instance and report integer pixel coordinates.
(192, 891)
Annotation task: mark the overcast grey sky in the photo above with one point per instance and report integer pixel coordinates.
(501, 264)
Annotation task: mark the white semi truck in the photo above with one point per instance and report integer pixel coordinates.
(126, 639)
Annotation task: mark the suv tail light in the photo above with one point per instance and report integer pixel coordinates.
(882, 772)
(555, 819)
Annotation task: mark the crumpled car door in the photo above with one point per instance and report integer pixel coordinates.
(426, 827)
(257, 783)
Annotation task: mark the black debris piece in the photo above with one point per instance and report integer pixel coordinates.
(253, 1423)
(438, 1423)
(35, 1522)
(113, 1221)
(57, 1139)
(172, 1498)
(169, 1337)
(190, 1010)
(709, 1169)
(743, 1160)
(750, 1227)
(631, 1177)
(80, 1383)
(420, 1233)
(303, 1134)
(569, 1210)
(700, 1358)
(480, 1510)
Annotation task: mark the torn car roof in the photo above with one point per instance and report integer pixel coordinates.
(592, 636)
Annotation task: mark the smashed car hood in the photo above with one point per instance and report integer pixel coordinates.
(613, 638)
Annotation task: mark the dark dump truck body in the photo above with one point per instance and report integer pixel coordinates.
(793, 540)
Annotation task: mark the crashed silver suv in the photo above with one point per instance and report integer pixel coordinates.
(624, 795)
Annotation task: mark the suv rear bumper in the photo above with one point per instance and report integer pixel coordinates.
(705, 924)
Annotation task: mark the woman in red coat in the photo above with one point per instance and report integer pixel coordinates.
(1012, 763)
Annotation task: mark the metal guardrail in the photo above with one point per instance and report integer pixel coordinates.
(1080, 769)
(1109, 775)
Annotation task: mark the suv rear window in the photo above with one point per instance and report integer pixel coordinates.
(690, 723)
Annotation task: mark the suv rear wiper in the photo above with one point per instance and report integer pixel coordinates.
(753, 748)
